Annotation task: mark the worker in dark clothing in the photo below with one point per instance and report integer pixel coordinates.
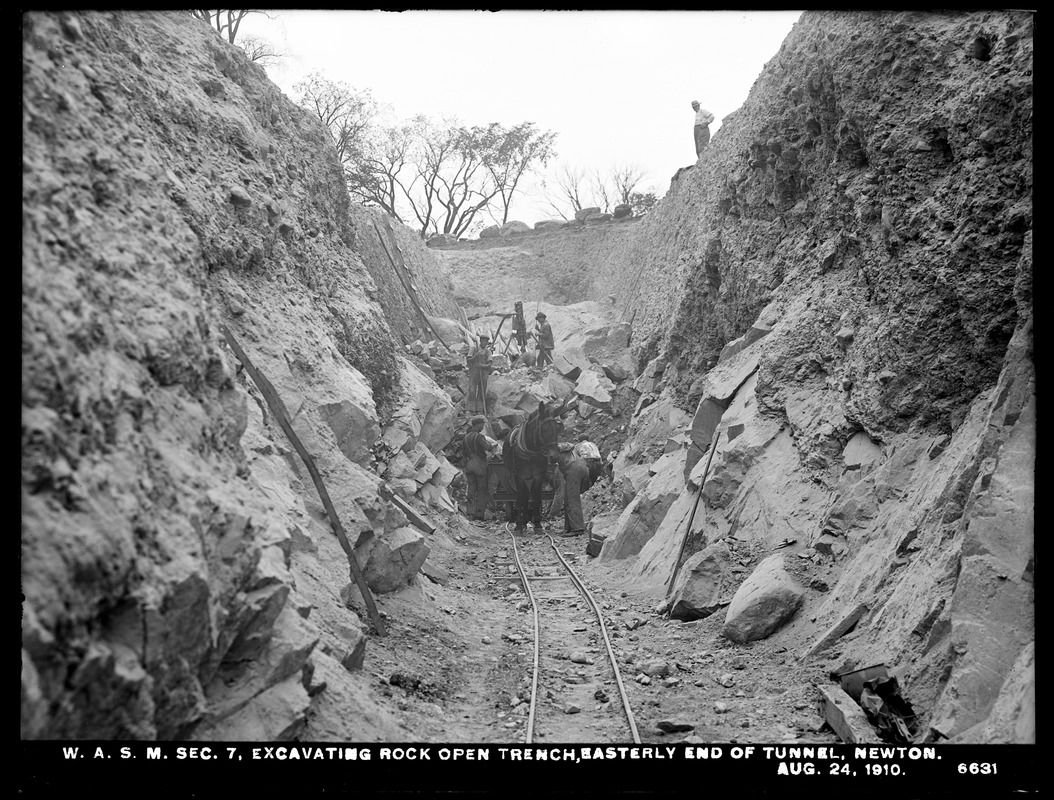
(579, 475)
(479, 369)
(543, 334)
(519, 326)
(477, 447)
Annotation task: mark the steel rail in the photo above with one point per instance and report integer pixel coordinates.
(537, 638)
(604, 634)
(587, 595)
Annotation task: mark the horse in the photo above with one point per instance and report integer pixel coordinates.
(526, 454)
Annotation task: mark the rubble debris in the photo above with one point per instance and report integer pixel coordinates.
(852, 681)
(891, 713)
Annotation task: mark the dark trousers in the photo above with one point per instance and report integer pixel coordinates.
(477, 474)
(578, 477)
(477, 390)
(545, 356)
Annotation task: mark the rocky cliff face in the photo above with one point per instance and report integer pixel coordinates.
(840, 289)
(170, 189)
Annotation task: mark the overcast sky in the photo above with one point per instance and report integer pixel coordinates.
(616, 86)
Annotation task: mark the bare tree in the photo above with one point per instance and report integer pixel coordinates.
(260, 50)
(380, 173)
(347, 112)
(565, 188)
(602, 191)
(442, 174)
(624, 179)
(225, 21)
(569, 189)
(512, 153)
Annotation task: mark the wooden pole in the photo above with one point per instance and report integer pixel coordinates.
(407, 289)
(278, 409)
(695, 505)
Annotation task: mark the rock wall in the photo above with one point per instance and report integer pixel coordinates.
(177, 564)
(883, 158)
(560, 266)
(842, 290)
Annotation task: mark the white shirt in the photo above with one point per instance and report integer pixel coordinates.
(703, 117)
(586, 450)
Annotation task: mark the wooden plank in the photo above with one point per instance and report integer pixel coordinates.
(845, 717)
(274, 402)
(836, 631)
(418, 521)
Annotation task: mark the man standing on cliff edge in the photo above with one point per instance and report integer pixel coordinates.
(703, 118)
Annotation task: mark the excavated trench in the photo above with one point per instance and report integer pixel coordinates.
(819, 405)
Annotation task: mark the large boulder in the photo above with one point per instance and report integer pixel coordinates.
(440, 239)
(550, 224)
(424, 413)
(763, 603)
(570, 362)
(451, 331)
(651, 377)
(607, 338)
(557, 386)
(583, 213)
(595, 388)
(515, 226)
(392, 559)
(490, 232)
(704, 584)
(615, 371)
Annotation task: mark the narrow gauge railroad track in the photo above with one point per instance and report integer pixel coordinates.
(563, 629)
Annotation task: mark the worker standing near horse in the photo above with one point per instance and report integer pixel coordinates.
(580, 469)
(479, 368)
(476, 448)
(543, 334)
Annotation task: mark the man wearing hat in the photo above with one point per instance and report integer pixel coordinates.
(543, 334)
(477, 447)
(703, 118)
(479, 368)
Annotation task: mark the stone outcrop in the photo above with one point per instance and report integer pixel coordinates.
(165, 515)
(763, 603)
(642, 516)
(860, 350)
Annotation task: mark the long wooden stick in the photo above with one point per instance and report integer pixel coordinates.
(695, 505)
(406, 286)
(280, 413)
